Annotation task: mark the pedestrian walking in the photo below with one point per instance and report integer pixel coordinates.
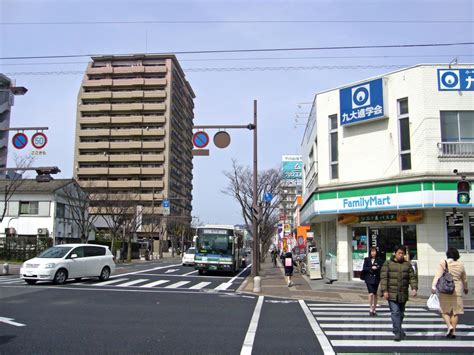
(451, 305)
(395, 277)
(288, 263)
(274, 257)
(371, 276)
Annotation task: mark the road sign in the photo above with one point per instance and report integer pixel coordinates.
(39, 140)
(200, 139)
(20, 140)
(165, 204)
(268, 197)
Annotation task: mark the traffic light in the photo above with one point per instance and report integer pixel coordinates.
(464, 190)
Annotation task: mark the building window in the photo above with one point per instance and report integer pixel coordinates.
(404, 132)
(333, 153)
(460, 230)
(28, 207)
(60, 210)
(457, 126)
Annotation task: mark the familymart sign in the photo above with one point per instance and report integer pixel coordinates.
(431, 194)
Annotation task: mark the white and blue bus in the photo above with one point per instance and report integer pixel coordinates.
(218, 248)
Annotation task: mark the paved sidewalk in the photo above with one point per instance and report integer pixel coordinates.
(273, 284)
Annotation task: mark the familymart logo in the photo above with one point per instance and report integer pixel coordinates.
(366, 202)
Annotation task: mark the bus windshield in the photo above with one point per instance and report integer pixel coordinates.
(215, 243)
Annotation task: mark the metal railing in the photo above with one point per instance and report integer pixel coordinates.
(456, 149)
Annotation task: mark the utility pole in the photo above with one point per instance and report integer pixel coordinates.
(256, 212)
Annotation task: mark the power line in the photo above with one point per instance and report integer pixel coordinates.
(180, 22)
(259, 50)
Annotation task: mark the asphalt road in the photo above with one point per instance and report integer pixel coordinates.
(168, 309)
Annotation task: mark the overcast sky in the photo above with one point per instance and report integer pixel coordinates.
(279, 80)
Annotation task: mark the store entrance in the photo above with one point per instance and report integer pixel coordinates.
(384, 238)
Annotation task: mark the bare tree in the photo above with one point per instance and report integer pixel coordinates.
(240, 187)
(78, 202)
(15, 179)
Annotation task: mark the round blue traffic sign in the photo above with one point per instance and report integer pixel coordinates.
(20, 140)
(200, 139)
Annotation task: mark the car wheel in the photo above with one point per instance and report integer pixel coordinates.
(30, 282)
(60, 277)
(104, 274)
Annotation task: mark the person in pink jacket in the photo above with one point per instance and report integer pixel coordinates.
(451, 306)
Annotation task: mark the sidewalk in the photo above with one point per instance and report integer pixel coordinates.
(273, 284)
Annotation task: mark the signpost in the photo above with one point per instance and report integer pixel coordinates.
(166, 207)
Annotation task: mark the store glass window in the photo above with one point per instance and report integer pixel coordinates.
(359, 249)
(471, 228)
(455, 230)
(409, 240)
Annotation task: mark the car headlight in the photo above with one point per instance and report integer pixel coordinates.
(50, 266)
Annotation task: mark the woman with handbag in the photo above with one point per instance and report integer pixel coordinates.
(451, 305)
(371, 276)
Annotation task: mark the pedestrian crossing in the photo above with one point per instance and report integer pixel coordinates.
(350, 328)
(144, 283)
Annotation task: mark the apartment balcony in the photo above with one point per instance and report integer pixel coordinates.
(126, 119)
(158, 82)
(153, 171)
(94, 108)
(154, 107)
(94, 184)
(456, 150)
(92, 171)
(154, 119)
(128, 82)
(92, 158)
(149, 197)
(100, 70)
(96, 95)
(154, 132)
(129, 70)
(124, 183)
(126, 145)
(158, 184)
(125, 157)
(93, 145)
(94, 132)
(156, 94)
(126, 132)
(124, 171)
(153, 157)
(94, 120)
(127, 107)
(97, 83)
(156, 69)
(154, 145)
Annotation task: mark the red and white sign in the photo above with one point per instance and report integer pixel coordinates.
(39, 140)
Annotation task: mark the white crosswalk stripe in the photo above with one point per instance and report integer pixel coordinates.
(178, 284)
(131, 283)
(155, 283)
(110, 282)
(350, 327)
(199, 285)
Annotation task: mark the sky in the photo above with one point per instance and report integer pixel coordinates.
(284, 83)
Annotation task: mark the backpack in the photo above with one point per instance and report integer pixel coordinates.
(288, 262)
(445, 282)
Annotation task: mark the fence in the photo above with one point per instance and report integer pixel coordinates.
(22, 248)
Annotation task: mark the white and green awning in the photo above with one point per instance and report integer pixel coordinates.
(414, 195)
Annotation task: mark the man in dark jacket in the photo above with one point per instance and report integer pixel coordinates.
(395, 276)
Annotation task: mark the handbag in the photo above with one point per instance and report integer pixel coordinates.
(446, 282)
(433, 302)
(362, 275)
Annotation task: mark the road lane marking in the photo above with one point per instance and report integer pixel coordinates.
(406, 343)
(189, 273)
(322, 339)
(357, 309)
(199, 285)
(380, 319)
(171, 270)
(131, 283)
(240, 273)
(155, 283)
(372, 333)
(250, 336)
(109, 282)
(142, 271)
(223, 286)
(389, 326)
(178, 284)
(11, 322)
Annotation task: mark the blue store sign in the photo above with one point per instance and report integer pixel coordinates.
(362, 102)
(456, 79)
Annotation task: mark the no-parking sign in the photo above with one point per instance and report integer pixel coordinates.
(39, 140)
(20, 140)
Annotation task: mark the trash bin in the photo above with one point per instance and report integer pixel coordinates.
(330, 266)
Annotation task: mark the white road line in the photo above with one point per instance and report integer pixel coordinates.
(389, 326)
(223, 286)
(371, 333)
(322, 339)
(11, 322)
(130, 283)
(199, 286)
(247, 346)
(192, 272)
(406, 343)
(14, 281)
(178, 284)
(376, 319)
(155, 283)
(357, 309)
(240, 273)
(379, 314)
(109, 282)
(142, 271)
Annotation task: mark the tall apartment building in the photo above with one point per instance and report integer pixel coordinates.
(134, 131)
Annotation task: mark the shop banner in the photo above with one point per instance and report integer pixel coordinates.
(409, 216)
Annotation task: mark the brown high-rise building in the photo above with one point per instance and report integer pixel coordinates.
(134, 131)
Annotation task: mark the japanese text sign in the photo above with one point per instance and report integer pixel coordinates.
(456, 79)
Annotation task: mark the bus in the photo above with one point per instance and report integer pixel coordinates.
(218, 248)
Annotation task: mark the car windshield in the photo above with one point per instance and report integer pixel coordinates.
(191, 251)
(54, 252)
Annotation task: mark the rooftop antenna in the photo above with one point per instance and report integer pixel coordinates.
(454, 61)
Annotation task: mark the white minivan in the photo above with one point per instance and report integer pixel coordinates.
(69, 261)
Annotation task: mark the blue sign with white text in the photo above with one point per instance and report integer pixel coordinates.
(456, 79)
(362, 102)
(165, 204)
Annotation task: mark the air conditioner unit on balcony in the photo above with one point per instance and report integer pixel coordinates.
(42, 231)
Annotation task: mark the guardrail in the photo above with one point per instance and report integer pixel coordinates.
(456, 149)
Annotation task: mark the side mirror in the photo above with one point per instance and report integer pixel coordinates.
(73, 256)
